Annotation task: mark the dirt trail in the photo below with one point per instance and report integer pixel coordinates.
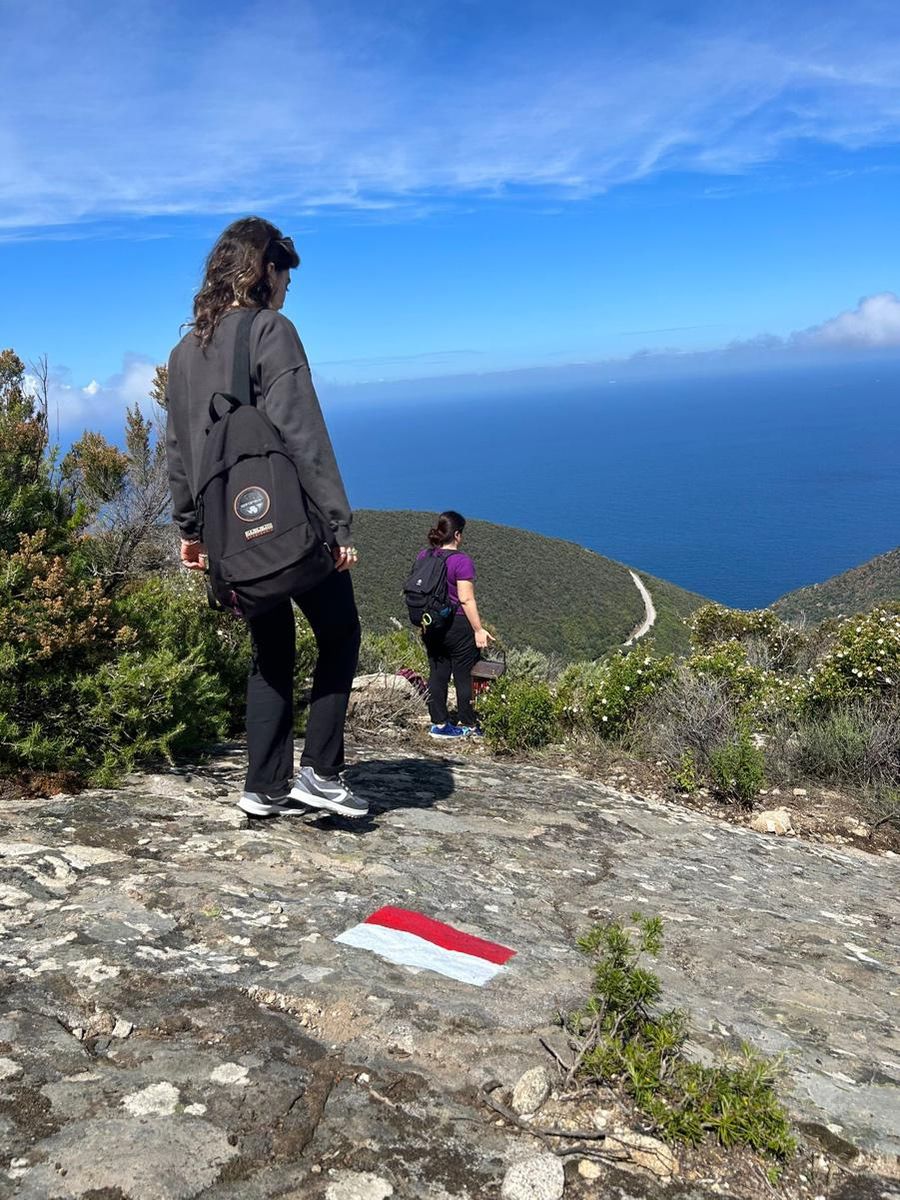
(649, 610)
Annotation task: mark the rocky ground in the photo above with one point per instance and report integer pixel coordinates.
(178, 1021)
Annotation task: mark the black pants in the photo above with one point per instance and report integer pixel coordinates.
(331, 611)
(455, 651)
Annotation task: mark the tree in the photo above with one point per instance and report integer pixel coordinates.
(127, 495)
(30, 498)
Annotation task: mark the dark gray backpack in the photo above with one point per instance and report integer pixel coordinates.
(263, 538)
(427, 594)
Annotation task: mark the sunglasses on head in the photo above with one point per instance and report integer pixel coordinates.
(280, 249)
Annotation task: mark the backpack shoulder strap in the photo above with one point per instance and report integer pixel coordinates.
(241, 388)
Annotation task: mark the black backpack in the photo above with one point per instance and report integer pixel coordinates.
(426, 593)
(262, 541)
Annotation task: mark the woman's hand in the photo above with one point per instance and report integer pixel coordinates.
(345, 557)
(193, 555)
(482, 637)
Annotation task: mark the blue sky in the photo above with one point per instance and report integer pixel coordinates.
(474, 186)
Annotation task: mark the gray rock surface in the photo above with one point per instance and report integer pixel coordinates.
(540, 1177)
(263, 1060)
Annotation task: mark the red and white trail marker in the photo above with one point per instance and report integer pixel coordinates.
(414, 940)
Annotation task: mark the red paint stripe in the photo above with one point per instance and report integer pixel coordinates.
(439, 934)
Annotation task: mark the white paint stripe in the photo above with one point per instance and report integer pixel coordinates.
(409, 950)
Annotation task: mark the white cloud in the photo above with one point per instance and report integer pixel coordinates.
(360, 104)
(100, 405)
(874, 322)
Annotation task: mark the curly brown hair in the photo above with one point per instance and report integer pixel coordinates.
(236, 271)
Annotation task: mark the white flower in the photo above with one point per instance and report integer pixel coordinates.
(604, 718)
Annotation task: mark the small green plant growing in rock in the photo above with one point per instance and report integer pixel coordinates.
(739, 768)
(517, 714)
(685, 777)
(621, 1036)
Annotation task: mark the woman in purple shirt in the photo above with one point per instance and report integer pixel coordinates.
(459, 647)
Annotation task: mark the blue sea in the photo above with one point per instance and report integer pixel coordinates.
(738, 486)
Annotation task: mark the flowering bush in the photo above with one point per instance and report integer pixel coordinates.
(727, 662)
(606, 695)
(518, 714)
(862, 661)
(772, 642)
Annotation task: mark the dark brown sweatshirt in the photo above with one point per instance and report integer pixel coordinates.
(282, 389)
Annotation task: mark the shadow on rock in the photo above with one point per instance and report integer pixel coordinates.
(403, 783)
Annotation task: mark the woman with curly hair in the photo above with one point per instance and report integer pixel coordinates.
(249, 267)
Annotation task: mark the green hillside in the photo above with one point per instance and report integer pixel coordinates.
(857, 590)
(537, 591)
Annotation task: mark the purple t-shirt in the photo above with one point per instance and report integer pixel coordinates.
(459, 566)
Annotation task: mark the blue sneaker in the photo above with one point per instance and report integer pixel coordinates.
(446, 731)
(472, 731)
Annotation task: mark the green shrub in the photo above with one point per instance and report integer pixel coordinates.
(727, 662)
(517, 714)
(862, 661)
(685, 777)
(392, 651)
(606, 696)
(689, 713)
(739, 768)
(777, 645)
(171, 614)
(857, 743)
(96, 686)
(528, 663)
(619, 1036)
(56, 627)
(145, 706)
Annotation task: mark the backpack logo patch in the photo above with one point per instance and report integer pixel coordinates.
(252, 503)
(249, 534)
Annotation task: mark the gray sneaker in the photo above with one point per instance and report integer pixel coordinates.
(332, 794)
(263, 804)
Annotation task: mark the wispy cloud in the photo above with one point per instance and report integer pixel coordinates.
(873, 325)
(167, 108)
(74, 407)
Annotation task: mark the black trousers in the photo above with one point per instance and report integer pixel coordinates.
(331, 611)
(455, 651)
